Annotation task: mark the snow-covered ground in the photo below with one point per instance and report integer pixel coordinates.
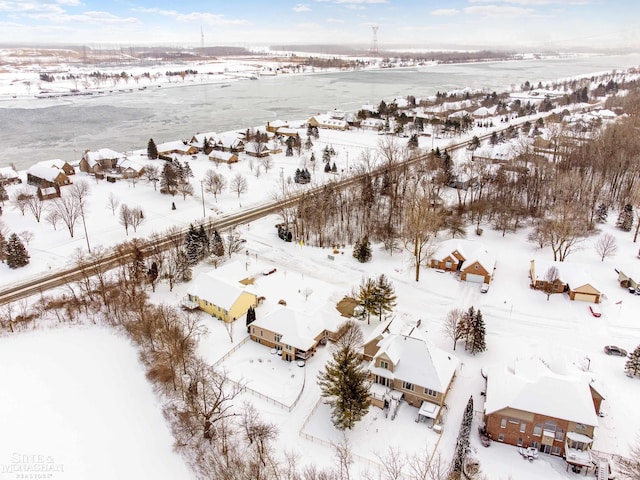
(76, 404)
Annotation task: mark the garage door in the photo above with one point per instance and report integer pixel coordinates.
(585, 297)
(472, 277)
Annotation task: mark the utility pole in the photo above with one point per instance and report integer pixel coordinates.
(204, 213)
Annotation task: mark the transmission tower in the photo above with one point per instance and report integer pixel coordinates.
(201, 37)
(374, 40)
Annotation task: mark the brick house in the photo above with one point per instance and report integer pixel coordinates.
(408, 368)
(295, 335)
(472, 259)
(103, 160)
(530, 406)
(573, 278)
(48, 174)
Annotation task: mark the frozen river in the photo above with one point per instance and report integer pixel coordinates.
(64, 128)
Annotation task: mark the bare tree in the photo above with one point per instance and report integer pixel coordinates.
(239, 184)
(68, 211)
(124, 216)
(267, 163)
(53, 217)
(606, 246)
(33, 203)
(19, 201)
(630, 466)
(453, 325)
(113, 203)
(80, 192)
(233, 242)
(26, 236)
(152, 174)
(136, 217)
(215, 183)
(185, 188)
(551, 278)
(258, 433)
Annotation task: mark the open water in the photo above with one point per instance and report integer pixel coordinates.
(66, 127)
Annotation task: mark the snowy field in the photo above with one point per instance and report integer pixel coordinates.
(76, 405)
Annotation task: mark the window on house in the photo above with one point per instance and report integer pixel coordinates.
(580, 427)
(277, 338)
(503, 423)
(520, 441)
(448, 264)
(555, 450)
(253, 329)
(407, 386)
(501, 437)
(476, 267)
(523, 427)
(535, 445)
(513, 420)
(430, 392)
(537, 430)
(384, 364)
(559, 434)
(261, 333)
(550, 426)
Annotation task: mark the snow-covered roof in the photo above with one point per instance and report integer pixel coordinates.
(44, 172)
(255, 147)
(176, 145)
(277, 124)
(8, 172)
(416, 362)
(220, 155)
(210, 287)
(287, 131)
(372, 122)
(575, 275)
(300, 330)
(329, 121)
(125, 163)
(471, 250)
(228, 139)
(102, 154)
(532, 387)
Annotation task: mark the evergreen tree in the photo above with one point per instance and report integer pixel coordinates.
(313, 157)
(468, 319)
(168, 179)
(217, 245)
(413, 141)
(15, 253)
(327, 167)
(3, 193)
(308, 144)
(3, 244)
(602, 212)
(479, 344)
(362, 250)
(632, 367)
(367, 297)
(290, 143)
(193, 246)
(251, 316)
(334, 169)
(462, 443)
(152, 150)
(345, 381)
(326, 156)
(625, 218)
(384, 296)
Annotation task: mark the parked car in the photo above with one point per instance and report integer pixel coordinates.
(595, 310)
(613, 350)
(484, 288)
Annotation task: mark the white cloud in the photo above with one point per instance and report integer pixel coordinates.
(334, 20)
(499, 11)
(301, 7)
(70, 3)
(203, 17)
(90, 17)
(535, 2)
(30, 7)
(360, 1)
(445, 11)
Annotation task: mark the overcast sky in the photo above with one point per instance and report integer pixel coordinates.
(426, 23)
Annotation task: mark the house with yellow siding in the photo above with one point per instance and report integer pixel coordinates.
(220, 298)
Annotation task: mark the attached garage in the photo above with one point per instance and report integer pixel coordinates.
(472, 277)
(585, 293)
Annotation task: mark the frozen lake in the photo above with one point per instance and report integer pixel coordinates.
(66, 127)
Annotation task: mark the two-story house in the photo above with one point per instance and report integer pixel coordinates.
(295, 335)
(530, 406)
(410, 368)
(472, 259)
(222, 299)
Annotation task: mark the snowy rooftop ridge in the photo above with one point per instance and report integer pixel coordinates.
(471, 250)
(532, 387)
(575, 275)
(417, 362)
(208, 286)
